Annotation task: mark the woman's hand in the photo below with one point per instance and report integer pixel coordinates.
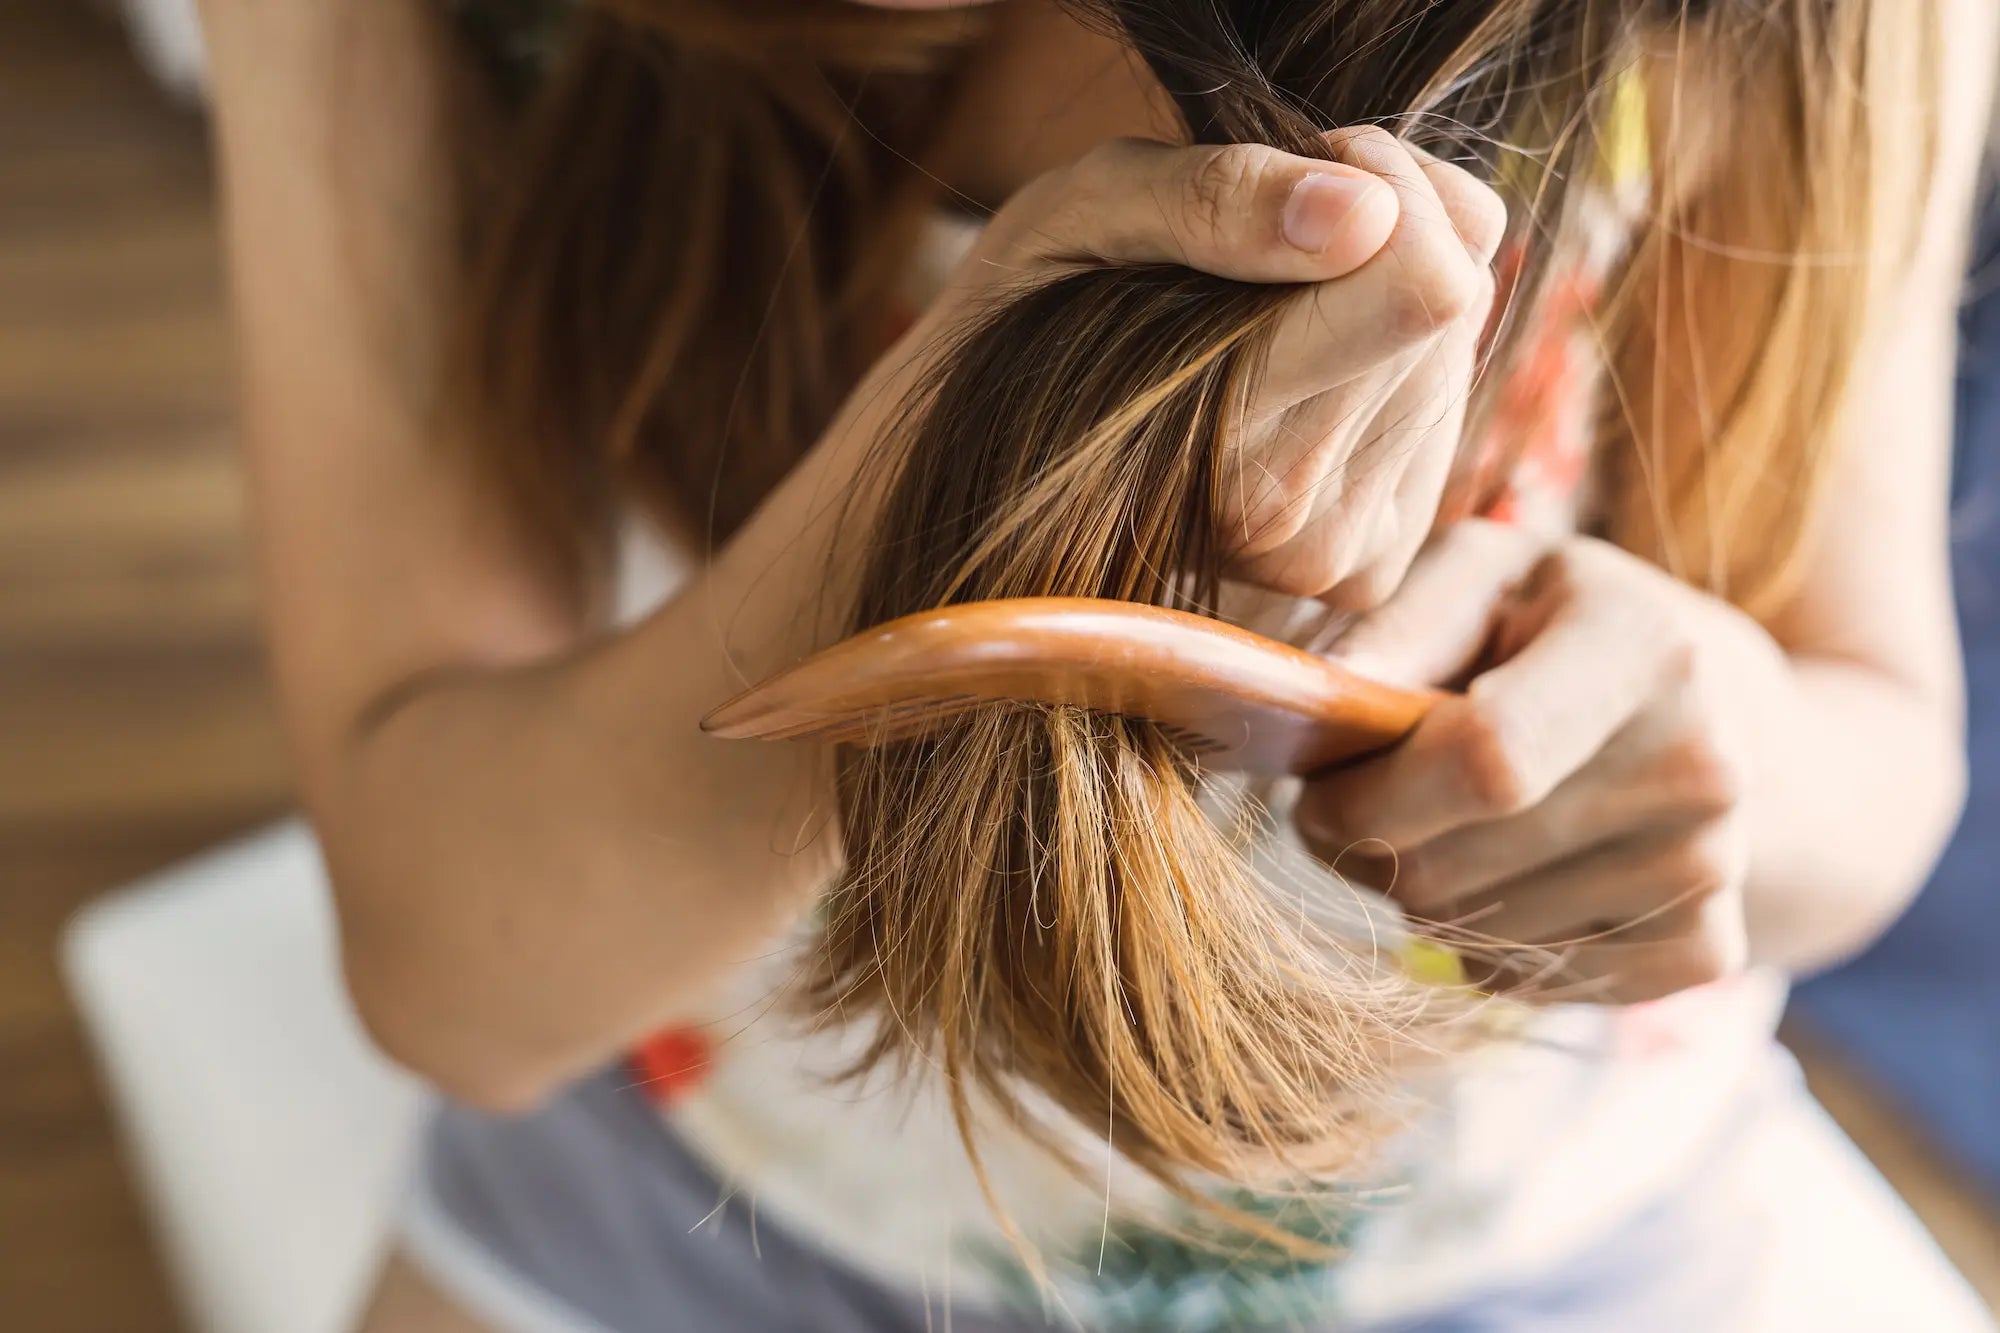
(1586, 792)
(461, 751)
(1345, 450)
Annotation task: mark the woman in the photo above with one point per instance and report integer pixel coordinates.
(542, 865)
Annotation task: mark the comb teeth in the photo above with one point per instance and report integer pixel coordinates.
(893, 722)
(890, 722)
(1192, 741)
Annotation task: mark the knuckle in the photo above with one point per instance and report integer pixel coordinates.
(1490, 766)
(1700, 872)
(1439, 290)
(1477, 212)
(1065, 209)
(1217, 189)
(1485, 286)
(1374, 585)
(1680, 663)
(1707, 774)
(1489, 208)
(1369, 147)
(1573, 565)
(1301, 579)
(1305, 564)
(1708, 862)
(1702, 958)
(1591, 558)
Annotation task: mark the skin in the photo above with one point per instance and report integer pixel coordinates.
(539, 859)
(1643, 777)
(458, 727)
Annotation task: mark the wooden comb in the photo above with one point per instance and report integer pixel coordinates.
(1240, 700)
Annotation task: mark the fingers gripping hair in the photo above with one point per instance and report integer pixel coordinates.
(1037, 899)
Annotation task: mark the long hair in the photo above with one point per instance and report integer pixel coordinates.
(1037, 900)
(696, 235)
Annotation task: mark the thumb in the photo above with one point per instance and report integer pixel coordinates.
(1432, 630)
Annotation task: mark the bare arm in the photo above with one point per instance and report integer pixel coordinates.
(494, 826)
(537, 856)
(1863, 767)
(1648, 784)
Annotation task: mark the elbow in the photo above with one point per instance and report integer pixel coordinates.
(1932, 827)
(1935, 806)
(418, 984)
(410, 1015)
(440, 976)
(1956, 779)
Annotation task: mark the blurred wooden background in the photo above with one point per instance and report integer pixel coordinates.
(135, 726)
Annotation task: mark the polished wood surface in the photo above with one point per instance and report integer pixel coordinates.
(135, 726)
(1240, 700)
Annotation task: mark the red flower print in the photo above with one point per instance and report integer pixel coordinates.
(672, 1062)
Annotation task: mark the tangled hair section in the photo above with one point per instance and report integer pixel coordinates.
(1036, 896)
(701, 212)
(687, 239)
(1041, 901)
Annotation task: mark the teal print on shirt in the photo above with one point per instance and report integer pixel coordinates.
(1199, 1275)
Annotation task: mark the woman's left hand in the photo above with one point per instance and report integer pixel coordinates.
(1586, 792)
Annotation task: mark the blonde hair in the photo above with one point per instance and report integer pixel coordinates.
(1795, 140)
(1036, 899)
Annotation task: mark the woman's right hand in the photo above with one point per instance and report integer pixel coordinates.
(1345, 450)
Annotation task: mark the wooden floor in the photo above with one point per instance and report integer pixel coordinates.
(134, 722)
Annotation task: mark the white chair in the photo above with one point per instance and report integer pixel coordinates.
(167, 34)
(268, 1138)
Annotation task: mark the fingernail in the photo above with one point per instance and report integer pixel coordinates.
(1320, 205)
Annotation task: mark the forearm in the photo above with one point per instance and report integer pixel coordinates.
(1861, 750)
(536, 855)
(1858, 782)
(537, 865)
(1861, 747)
